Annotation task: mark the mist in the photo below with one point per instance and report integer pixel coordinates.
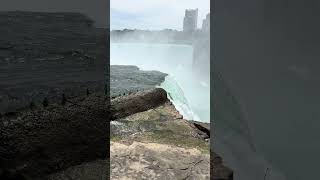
(189, 93)
(144, 35)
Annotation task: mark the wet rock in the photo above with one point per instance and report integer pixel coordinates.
(179, 116)
(219, 171)
(138, 102)
(43, 141)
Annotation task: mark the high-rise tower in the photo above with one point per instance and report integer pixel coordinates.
(206, 23)
(190, 20)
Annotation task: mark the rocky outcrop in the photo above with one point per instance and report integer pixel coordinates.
(138, 137)
(218, 170)
(141, 101)
(38, 142)
(46, 140)
(126, 79)
(71, 139)
(157, 144)
(157, 161)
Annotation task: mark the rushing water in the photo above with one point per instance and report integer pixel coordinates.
(190, 95)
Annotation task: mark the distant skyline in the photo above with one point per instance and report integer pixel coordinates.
(154, 14)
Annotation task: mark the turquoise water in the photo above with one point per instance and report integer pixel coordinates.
(190, 95)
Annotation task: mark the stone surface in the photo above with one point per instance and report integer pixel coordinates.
(157, 161)
(95, 170)
(218, 170)
(35, 143)
(125, 79)
(156, 144)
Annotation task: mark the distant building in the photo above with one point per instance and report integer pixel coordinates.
(190, 20)
(206, 23)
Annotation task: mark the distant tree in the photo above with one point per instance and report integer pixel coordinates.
(45, 102)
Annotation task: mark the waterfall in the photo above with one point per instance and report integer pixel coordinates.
(177, 97)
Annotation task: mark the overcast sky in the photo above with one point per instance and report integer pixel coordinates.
(154, 14)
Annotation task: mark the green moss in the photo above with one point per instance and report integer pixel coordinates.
(171, 138)
(116, 138)
(159, 126)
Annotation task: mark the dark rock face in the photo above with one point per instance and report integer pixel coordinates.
(218, 170)
(37, 143)
(66, 141)
(204, 128)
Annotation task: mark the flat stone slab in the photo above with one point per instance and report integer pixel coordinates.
(157, 161)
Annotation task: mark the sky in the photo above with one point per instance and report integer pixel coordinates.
(154, 14)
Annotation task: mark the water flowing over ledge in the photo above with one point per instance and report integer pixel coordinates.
(189, 94)
(176, 95)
